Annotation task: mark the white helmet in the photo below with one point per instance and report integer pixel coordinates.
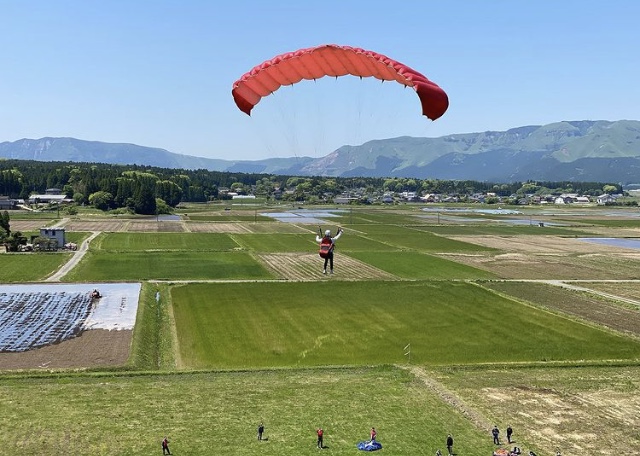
(327, 233)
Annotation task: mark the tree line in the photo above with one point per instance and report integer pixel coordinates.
(151, 190)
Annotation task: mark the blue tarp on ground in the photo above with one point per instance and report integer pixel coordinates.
(369, 445)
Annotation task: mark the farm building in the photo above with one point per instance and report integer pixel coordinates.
(51, 195)
(55, 234)
(6, 203)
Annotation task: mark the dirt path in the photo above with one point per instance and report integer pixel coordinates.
(450, 397)
(610, 296)
(571, 285)
(75, 259)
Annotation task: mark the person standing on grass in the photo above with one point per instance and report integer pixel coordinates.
(509, 432)
(320, 434)
(327, 245)
(496, 433)
(373, 434)
(450, 444)
(260, 431)
(165, 446)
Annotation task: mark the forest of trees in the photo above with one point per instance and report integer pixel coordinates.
(150, 190)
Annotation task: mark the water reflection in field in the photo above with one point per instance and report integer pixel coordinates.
(615, 242)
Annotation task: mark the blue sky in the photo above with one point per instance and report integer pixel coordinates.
(159, 73)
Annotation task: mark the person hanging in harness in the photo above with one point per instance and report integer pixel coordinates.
(327, 245)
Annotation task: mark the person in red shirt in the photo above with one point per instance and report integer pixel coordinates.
(165, 446)
(320, 433)
(373, 434)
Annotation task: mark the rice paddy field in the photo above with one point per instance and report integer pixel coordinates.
(424, 329)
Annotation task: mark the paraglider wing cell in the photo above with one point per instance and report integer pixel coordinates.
(333, 60)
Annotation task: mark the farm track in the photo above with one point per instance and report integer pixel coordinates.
(449, 397)
(75, 259)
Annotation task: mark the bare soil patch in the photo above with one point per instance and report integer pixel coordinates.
(156, 227)
(591, 308)
(579, 410)
(28, 225)
(98, 225)
(550, 257)
(540, 244)
(626, 290)
(307, 266)
(214, 227)
(90, 349)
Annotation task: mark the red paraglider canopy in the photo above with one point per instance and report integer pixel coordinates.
(334, 60)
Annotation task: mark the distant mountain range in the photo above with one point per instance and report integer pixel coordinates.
(600, 151)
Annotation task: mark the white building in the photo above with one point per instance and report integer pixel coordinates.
(56, 234)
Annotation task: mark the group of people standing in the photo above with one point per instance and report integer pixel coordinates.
(496, 440)
(496, 435)
(319, 433)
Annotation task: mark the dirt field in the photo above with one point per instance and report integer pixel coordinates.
(93, 348)
(292, 266)
(582, 411)
(625, 290)
(28, 225)
(215, 227)
(589, 307)
(532, 257)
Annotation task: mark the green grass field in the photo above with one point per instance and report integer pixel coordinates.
(411, 238)
(136, 242)
(218, 413)
(236, 326)
(30, 267)
(181, 265)
(415, 265)
(270, 243)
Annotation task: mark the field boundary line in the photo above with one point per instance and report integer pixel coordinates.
(570, 285)
(449, 397)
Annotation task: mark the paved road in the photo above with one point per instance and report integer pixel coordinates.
(74, 260)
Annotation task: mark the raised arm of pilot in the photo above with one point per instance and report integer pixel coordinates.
(338, 235)
(318, 239)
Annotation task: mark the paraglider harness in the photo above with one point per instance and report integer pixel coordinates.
(326, 245)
